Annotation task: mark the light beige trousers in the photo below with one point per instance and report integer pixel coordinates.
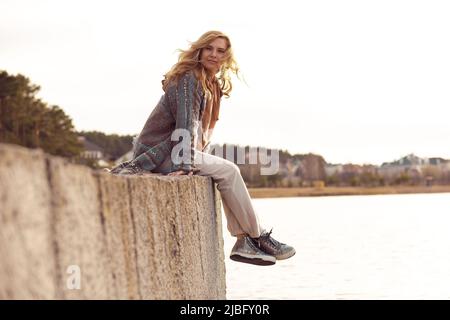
(237, 205)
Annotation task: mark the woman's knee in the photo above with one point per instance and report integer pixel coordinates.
(232, 168)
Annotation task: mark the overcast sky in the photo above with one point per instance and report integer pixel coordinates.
(353, 81)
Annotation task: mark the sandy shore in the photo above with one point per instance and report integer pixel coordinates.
(341, 191)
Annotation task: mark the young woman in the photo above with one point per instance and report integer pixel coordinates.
(175, 141)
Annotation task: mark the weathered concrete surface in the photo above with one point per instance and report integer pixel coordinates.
(27, 254)
(143, 237)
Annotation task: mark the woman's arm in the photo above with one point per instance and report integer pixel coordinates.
(185, 105)
(179, 111)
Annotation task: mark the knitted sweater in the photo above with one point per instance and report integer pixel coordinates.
(181, 107)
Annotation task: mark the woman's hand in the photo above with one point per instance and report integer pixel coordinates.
(180, 173)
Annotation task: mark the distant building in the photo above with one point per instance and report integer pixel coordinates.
(445, 166)
(93, 153)
(332, 169)
(409, 160)
(91, 150)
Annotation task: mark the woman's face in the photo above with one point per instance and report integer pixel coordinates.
(213, 55)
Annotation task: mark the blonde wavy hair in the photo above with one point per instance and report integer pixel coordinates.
(190, 60)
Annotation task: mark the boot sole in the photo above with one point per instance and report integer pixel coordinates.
(256, 261)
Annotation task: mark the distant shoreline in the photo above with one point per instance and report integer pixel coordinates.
(342, 191)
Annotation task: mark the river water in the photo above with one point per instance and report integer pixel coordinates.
(351, 247)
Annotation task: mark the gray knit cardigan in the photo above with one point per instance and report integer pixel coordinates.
(180, 107)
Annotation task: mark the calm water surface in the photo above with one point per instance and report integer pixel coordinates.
(351, 247)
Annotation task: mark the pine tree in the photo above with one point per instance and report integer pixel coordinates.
(30, 122)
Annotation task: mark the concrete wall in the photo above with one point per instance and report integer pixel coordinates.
(135, 237)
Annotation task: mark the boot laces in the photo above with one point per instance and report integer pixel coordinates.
(134, 167)
(272, 241)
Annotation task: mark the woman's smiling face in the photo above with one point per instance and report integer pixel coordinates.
(213, 54)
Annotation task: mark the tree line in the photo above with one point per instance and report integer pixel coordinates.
(114, 145)
(30, 122)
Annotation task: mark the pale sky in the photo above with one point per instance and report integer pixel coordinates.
(353, 81)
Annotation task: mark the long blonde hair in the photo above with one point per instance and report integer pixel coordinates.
(190, 60)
